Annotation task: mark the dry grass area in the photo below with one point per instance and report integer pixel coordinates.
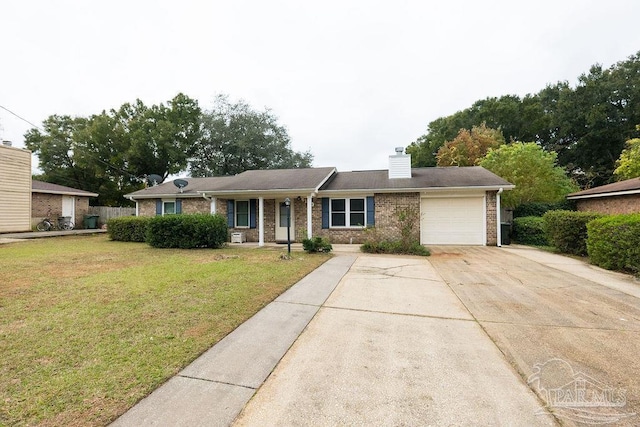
(89, 326)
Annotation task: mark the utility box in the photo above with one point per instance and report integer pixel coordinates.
(238, 238)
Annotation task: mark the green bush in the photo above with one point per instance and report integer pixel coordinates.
(316, 244)
(187, 231)
(529, 230)
(539, 209)
(128, 228)
(614, 242)
(567, 230)
(394, 247)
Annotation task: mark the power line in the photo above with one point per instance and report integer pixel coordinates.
(91, 155)
(21, 118)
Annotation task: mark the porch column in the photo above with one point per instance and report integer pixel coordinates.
(261, 221)
(309, 216)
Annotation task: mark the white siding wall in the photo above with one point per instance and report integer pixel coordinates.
(15, 189)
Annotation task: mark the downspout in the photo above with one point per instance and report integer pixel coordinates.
(137, 208)
(498, 219)
(210, 199)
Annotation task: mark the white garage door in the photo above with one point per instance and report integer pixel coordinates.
(452, 221)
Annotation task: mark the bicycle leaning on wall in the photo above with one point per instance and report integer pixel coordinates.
(48, 224)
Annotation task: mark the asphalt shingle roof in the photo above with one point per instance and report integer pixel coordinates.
(309, 179)
(474, 176)
(253, 180)
(47, 187)
(626, 185)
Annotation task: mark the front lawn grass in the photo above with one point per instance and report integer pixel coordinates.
(88, 326)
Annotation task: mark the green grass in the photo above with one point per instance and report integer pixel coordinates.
(88, 326)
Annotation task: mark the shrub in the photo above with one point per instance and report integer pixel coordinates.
(567, 230)
(187, 231)
(316, 244)
(128, 228)
(394, 247)
(529, 230)
(539, 209)
(614, 242)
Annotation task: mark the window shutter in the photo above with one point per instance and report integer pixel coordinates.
(230, 213)
(158, 207)
(325, 212)
(178, 206)
(371, 211)
(252, 213)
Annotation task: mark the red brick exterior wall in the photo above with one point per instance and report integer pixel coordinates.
(611, 205)
(492, 218)
(41, 203)
(387, 208)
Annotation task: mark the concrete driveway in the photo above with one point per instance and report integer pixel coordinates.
(469, 336)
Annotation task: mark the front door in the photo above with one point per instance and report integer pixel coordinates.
(281, 222)
(69, 207)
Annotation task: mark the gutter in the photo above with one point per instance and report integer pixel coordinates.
(598, 195)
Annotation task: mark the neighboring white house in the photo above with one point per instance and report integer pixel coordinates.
(15, 189)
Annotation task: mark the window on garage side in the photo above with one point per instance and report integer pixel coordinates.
(348, 212)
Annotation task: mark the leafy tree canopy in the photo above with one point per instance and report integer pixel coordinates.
(110, 153)
(235, 138)
(532, 170)
(586, 125)
(469, 147)
(628, 165)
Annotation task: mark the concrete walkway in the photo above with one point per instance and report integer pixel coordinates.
(392, 345)
(216, 386)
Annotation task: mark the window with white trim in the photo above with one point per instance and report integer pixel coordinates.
(242, 213)
(348, 212)
(168, 207)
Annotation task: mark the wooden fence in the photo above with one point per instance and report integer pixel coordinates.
(107, 212)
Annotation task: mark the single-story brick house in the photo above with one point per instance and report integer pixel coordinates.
(452, 205)
(617, 198)
(57, 200)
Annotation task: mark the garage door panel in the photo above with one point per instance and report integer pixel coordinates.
(452, 221)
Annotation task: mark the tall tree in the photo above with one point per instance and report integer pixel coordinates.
(469, 146)
(533, 171)
(586, 125)
(235, 138)
(110, 153)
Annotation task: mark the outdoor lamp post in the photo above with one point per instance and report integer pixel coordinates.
(287, 203)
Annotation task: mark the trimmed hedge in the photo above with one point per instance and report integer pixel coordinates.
(529, 230)
(567, 230)
(128, 228)
(539, 209)
(614, 242)
(187, 231)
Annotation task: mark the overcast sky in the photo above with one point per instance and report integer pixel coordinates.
(350, 80)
